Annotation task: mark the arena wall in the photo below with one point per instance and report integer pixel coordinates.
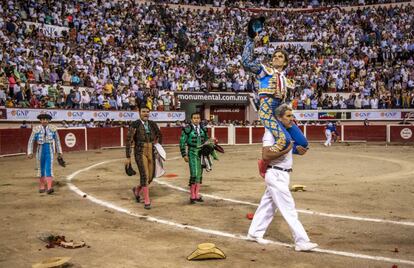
(14, 141)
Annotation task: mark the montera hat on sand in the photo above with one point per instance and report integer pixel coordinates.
(206, 251)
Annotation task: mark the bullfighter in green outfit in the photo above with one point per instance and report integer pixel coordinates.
(194, 136)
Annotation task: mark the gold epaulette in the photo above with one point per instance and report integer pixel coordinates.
(53, 127)
(37, 129)
(268, 71)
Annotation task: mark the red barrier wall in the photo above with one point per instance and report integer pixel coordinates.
(221, 134)
(13, 141)
(103, 137)
(125, 134)
(80, 139)
(242, 135)
(257, 134)
(315, 133)
(401, 133)
(171, 135)
(365, 133)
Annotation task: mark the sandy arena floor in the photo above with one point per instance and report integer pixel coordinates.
(358, 181)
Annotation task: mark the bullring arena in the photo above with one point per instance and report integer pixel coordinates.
(357, 207)
(206, 71)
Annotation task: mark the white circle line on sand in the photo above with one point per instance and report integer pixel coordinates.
(110, 205)
(310, 212)
(304, 211)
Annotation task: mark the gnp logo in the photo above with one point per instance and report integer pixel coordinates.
(126, 115)
(53, 114)
(76, 114)
(20, 113)
(306, 115)
(362, 114)
(104, 115)
(388, 114)
(173, 115)
(153, 115)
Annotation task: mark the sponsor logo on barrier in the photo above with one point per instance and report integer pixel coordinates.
(154, 116)
(388, 114)
(362, 114)
(75, 114)
(53, 114)
(70, 140)
(126, 115)
(167, 116)
(306, 115)
(20, 113)
(101, 115)
(31, 114)
(376, 115)
(300, 115)
(173, 115)
(406, 133)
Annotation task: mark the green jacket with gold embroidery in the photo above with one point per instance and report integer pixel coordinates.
(191, 139)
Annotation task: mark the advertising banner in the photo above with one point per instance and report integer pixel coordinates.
(329, 115)
(49, 30)
(375, 115)
(305, 116)
(408, 115)
(212, 97)
(167, 116)
(15, 114)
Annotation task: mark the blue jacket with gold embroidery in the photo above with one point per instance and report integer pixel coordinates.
(271, 82)
(43, 135)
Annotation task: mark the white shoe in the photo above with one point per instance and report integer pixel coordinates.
(259, 240)
(307, 246)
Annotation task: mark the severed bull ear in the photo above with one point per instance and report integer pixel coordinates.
(255, 27)
(218, 148)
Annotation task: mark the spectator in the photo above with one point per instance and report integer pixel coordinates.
(85, 100)
(24, 124)
(366, 51)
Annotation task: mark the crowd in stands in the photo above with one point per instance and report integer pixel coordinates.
(128, 54)
(279, 3)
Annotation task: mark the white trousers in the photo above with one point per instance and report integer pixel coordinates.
(328, 135)
(277, 196)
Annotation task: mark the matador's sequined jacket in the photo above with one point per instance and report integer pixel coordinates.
(137, 136)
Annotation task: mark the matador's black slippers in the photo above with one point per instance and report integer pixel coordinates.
(137, 197)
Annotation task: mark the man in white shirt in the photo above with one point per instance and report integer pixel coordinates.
(358, 102)
(328, 134)
(277, 194)
(374, 102)
(85, 100)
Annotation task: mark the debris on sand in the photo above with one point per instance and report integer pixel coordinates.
(60, 241)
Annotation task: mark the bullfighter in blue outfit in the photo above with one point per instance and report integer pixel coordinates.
(47, 139)
(273, 89)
